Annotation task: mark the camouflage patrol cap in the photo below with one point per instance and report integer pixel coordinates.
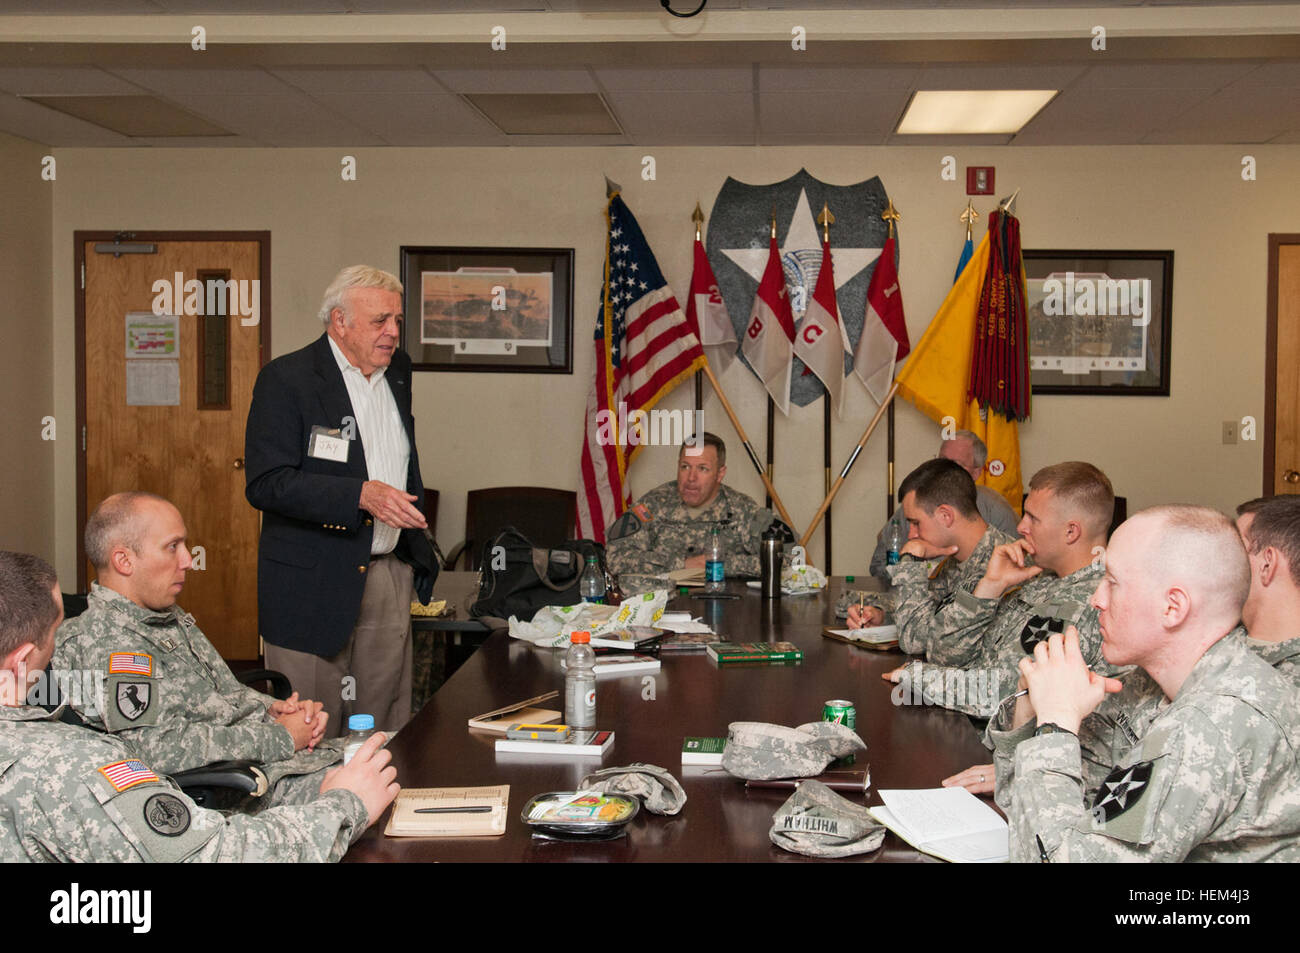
(758, 751)
(820, 823)
(659, 791)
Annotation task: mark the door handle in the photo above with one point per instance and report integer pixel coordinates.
(1291, 476)
(239, 463)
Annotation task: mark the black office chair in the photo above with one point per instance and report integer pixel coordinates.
(546, 516)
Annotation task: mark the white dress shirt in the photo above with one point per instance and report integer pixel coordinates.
(388, 452)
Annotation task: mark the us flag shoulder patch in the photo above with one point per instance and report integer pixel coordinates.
(127, 774)
(130, 663)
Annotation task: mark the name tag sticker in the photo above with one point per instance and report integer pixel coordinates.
(326, 444)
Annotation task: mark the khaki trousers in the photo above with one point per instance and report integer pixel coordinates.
(372, 674)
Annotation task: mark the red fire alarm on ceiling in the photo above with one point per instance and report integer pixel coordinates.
(979, 180)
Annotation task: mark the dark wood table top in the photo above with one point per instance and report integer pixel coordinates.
(908, 747)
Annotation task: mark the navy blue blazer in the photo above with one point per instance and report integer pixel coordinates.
(314, 549)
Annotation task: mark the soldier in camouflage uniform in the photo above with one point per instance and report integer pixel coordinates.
(164, 689)
(72, 795)
(938, 501)
(1032, 587)
(671, 527)
(1214, 774)
(1111, 731)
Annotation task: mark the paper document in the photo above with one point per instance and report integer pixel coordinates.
(949, 823)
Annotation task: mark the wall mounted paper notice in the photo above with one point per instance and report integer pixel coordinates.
(152, 335)
(153, 383)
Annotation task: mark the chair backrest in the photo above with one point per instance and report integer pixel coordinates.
(544, 515)
(431, 510)
(1120, 514)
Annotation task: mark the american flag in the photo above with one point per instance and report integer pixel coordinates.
(127, 774)
(644, 348)
(128, 663)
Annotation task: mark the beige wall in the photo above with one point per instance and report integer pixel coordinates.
(26, 357)
(483, 430)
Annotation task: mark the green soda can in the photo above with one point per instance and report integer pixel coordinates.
(841, 711)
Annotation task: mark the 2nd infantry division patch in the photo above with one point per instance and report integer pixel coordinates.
(167, 815)
(1121, 790)
(1037, 629)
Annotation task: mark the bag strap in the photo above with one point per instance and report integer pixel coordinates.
(542, 565)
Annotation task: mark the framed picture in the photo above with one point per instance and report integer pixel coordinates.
(488, 309)
(1099, 321)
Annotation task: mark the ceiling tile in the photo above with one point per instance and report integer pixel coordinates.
(344, 80)
(1105, 116)
(732, 80)
(516, 81)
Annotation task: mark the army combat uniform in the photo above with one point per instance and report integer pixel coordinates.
(661, 532)
(1005, 631)
(1111, 730)
(72, 795)
(930, 621)
(172, 698)
(1213, 778)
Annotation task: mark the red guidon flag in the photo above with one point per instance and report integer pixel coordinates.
(707, 315)
(820, 342)
(884, 331)
(769, 338)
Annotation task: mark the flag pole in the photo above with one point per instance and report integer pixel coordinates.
(890, 215)
(825, 220)
(698, 218)
(839, 481)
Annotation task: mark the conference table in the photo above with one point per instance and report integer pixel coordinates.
(723, 821)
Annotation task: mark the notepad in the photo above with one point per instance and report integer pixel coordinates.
(406, 822)
(949, 823)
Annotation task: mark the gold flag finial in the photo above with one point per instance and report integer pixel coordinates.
(774, 221)
(891, 216)
(1008, 205)
(969, 217)
(611, 188)
(826, 220)
(698, 218)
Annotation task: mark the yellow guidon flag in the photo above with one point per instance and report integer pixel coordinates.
(937, 377)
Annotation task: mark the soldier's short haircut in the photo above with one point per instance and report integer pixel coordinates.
(978, 449)
(710, 440)
(1276, 524)
(1085, 490)
(354, 276)
(939, 482)
(113, 524)
(1202, 545)
(1252, 506)
(27, 606)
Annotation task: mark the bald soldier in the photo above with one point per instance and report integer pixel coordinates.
(1270, 530)
(671, 527)
(1214, 775)
(164, 688)
(74, 795)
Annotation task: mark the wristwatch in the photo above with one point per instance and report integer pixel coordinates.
(1049, 728)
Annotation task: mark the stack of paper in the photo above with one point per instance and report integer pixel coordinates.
(949, 823)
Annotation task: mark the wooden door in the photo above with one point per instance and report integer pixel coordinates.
(164, 410)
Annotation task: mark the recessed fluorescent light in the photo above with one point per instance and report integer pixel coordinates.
(970, 112)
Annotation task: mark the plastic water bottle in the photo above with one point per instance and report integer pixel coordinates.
(360, 727)
(893, 543)
(580, 682)
(713, 565)
(592, 584)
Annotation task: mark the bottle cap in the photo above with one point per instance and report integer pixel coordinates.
(591, 560)
(361, 722)
(581, 638)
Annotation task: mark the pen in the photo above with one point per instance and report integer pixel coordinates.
(478, 809)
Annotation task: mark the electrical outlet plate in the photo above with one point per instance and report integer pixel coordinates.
(1230, 431)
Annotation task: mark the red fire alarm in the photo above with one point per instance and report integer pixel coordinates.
(979, 180)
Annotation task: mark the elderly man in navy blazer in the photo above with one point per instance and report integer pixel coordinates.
(331, 463)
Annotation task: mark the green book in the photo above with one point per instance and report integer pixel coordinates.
(703, 750)
(726, 653)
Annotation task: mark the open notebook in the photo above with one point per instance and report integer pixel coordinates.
(949, 823)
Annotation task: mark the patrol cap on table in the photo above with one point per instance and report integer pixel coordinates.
(659, 791)
(758, 751)
(820, 823)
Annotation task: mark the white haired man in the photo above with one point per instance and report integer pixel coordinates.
(332, 465)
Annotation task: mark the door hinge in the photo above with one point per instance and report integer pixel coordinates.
(83, 275)
(83, 438)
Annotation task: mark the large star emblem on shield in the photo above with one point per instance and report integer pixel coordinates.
(1122, 789)
(1037, 629)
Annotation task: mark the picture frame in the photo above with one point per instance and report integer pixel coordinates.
(1099, 321)
(497, 310)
